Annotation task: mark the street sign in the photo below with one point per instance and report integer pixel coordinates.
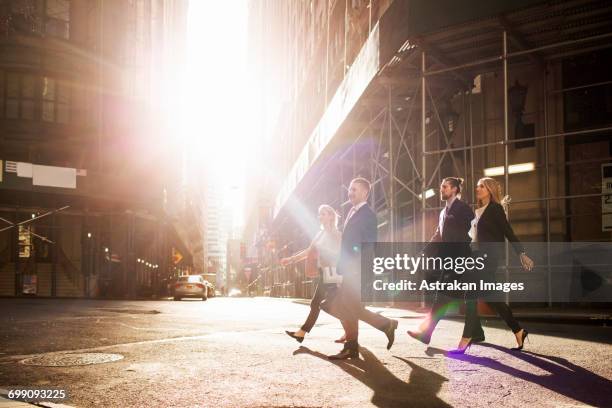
(176, 256)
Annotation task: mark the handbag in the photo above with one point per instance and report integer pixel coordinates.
(311, 269)
(330, 275)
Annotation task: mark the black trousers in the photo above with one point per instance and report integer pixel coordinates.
(439, 308)
(443, 300)
(472, 327)
(346, 306)
(322, 291)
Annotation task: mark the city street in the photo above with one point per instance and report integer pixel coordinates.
(233, 352)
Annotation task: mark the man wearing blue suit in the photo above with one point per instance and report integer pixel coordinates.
(360, 226)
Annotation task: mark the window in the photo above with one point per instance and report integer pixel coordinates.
(34, 98)
(57, 18)
(48, 100)
(55, 101)
(24, 241)
(191, 279)
(12, 95)
(20, 100)
(22, 15)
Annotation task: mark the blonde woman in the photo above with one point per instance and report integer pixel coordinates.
(491, 226)
(326, 244)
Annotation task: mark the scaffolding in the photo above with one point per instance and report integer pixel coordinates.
(405, 135)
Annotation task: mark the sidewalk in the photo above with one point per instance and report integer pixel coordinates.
(551, 315)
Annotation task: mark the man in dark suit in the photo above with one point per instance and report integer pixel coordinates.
(451, 239)
(360, 226)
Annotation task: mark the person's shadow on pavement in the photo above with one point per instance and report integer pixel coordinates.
(389, 391)
(566, 378)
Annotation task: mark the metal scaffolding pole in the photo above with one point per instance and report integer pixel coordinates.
(423, 147)
(547, 189)
(506, 175)
(391, 203)
(423, 158)
(472, 179)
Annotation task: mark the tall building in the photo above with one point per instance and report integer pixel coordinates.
(218, 231)
(408, 92)
(84, 87)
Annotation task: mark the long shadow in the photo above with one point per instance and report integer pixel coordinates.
(389, 391)
(587, 332)
(566, 378)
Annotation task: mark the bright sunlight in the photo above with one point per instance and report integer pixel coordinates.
(216, 127)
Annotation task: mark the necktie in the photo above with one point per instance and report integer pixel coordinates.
(348, 217)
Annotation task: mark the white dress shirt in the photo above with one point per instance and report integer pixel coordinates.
(353, 211)
(443, 214)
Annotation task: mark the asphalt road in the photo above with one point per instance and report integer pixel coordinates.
(232, 352)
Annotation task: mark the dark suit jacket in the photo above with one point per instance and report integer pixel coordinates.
(493, 226)
(361, 227)
(456, 226)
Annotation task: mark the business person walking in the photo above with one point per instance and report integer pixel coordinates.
(360, 226)
(489, 228)
(326, 248)
(451, 239)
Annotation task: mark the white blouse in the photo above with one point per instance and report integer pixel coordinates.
(328, 246)
(473, 233)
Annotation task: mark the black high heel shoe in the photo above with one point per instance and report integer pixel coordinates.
(523, 337)
(292, 334)
(463, 350)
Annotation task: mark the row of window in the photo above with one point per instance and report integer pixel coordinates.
(49, 17)
(31, 97)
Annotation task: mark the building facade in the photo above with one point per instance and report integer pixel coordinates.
(82, 131)
(406, 93)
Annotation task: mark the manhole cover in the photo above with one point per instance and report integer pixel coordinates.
(71, 359)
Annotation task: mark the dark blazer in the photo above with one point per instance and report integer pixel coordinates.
(361, 227)
(455, 229)
(493, 226)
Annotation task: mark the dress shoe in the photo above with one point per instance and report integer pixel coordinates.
(346, 353)
(523, 337)
(292, 334)
(390, 332)
(424, 338)
(350, 350)
(458, 351)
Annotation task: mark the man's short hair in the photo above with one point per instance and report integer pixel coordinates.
(364, 182)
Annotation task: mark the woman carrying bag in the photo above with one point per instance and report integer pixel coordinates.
(321, 258)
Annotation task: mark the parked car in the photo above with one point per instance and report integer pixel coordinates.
(190, 286)
(210, 289)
